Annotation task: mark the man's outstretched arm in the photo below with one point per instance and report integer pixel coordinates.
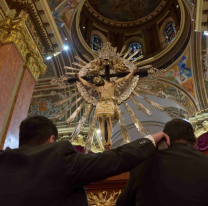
(83, 169)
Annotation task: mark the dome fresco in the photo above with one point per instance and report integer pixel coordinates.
(124, 10)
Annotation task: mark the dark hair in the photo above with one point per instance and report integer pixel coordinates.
(36, 130)
(178, 129)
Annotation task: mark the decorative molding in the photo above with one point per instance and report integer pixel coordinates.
(175, 46)
(102, 198)
(14, 31)
(176, 113)
(34, 34)
(173, 92)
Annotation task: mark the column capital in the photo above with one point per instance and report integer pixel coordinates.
(14, 31)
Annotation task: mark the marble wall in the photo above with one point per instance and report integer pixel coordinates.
(10, 64)
(20, 111)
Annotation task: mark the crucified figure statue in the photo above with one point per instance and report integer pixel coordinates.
(106, 108)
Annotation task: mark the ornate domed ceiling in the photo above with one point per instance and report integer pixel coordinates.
(124, 10)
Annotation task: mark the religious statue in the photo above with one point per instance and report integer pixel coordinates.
(106, 108)
(101, 94)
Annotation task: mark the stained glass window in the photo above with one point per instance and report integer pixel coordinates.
(134, 46)
(97, 43)
(170, 32)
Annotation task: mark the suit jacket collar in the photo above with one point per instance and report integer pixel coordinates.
(177, 145)
(25, 147)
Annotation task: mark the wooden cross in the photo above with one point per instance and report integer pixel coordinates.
(107, 76)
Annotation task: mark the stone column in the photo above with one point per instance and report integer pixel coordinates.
(20, 67)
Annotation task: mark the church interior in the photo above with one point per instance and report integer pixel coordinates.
(45, 43)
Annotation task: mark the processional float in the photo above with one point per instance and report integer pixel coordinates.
(109, 65)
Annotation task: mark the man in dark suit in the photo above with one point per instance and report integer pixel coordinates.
(42, 174)
(177, 176)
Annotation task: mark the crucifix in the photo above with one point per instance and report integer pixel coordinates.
(106, 108)
(97, 74)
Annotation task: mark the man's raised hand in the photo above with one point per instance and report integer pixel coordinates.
(161, 135)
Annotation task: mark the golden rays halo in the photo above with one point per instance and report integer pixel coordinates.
(118, 62)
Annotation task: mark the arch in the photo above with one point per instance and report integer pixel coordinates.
(96, 43)
(136, 39)
(162, 29)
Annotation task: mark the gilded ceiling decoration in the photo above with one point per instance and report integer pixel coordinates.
(171, 92)
(63, 13)
(176, 113)
(14, 31)
(181, 73)
(124, 10)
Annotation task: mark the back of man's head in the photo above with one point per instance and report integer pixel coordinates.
(180, 131)
(36, 130)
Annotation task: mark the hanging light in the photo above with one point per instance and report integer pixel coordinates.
(48, 57)
(206, 33)
(65, 47)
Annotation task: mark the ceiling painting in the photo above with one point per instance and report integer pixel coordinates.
(54, 3)
(181, 73)
(65, 12)
(124, 10)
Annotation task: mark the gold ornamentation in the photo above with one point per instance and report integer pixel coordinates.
(130, 86)
(64, 100)
(80, 141)
(141, 106)
(81, 123)
(86, 94)
(91, 132)
(137, 123)
(151, 92)
(14, 31)
(35, 37)
(67, 108)
(154, 73)
(109, 106)
(200, 122)
(124, 132)
(60, 81)
(101, 198)
(72, 117)
(154, 104)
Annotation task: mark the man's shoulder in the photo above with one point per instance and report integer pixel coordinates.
(180, 151)
(50, 147)
(59, 145)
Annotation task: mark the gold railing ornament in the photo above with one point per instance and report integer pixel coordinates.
(102, 199)
(200, 122)
(14, 31)
(154, 73)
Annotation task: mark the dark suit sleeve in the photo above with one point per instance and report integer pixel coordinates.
(83, 169)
